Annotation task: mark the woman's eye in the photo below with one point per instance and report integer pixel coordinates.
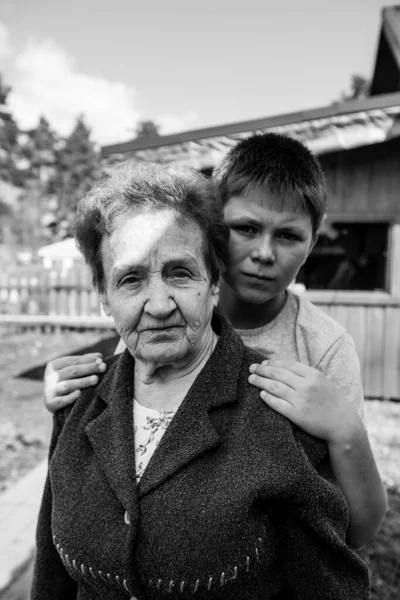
(130, 280)
(180, 273)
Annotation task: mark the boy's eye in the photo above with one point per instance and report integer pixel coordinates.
(289, 235)
(248, 230)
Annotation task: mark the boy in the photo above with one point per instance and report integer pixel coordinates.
(273, 193)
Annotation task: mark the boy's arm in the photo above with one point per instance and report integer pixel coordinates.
(319, 564)
(65, 377)
(308, 398)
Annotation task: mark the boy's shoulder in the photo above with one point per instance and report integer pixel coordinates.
(316, 331)
(313, 318)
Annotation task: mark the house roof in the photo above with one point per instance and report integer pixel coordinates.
(330, 128)
(386, 75)
(339, 126)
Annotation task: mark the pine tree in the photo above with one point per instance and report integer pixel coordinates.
(8, 138)
(77, 167)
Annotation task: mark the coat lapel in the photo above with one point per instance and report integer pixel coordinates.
(111, 432)
(191, 431)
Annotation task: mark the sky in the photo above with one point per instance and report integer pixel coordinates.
(183, 64)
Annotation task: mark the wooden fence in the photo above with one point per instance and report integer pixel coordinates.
(56, 291)
(373, 319)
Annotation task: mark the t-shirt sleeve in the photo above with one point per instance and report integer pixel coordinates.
(341, 365)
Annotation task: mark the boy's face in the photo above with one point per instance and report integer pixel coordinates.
(267, 247)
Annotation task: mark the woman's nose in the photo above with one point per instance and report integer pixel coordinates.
(160, 302)
(264, 251)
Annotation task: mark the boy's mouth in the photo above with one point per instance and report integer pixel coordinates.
(258, 276)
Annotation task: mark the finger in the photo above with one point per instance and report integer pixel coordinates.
(81, 370)
(278, 374)
(282, 407)
(291, 365)
(54, 404)
(276, 388)
(63, 388)
(87, 358)
(66, 361)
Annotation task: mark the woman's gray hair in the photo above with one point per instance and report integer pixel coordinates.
(135, 186)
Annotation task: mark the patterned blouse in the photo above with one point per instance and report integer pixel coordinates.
(149, 427)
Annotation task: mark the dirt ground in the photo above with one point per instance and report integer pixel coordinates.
(25, 427)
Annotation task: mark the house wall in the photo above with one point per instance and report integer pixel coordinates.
(364, 183)
(373, 321)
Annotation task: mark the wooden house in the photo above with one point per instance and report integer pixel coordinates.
(354, 270)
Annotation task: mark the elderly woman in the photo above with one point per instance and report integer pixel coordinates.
(171, 478)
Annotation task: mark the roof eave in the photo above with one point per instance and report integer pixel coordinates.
(332, 110)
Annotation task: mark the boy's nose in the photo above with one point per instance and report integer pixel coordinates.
(264, 251)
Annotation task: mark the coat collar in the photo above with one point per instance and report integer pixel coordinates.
(111, 431)
(191, 431)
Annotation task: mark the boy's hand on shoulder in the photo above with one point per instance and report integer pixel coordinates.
(306, 397)
(64, 378)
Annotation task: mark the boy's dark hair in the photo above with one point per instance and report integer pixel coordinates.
(278, 166)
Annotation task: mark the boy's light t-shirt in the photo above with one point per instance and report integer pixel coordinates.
(302, 332)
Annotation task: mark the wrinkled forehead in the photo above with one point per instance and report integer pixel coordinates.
(143, 234)
(287, 202)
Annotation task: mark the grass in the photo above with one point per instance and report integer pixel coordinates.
(26, 426)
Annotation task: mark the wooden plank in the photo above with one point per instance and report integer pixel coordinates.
(374, 351)
(394, 260)
(326, 297)
(58, 320)
(357, 327)
(341, 314)
(391, 355)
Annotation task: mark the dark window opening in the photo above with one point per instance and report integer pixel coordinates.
(347, 256)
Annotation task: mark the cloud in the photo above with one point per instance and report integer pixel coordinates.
(46, 81)
(5, 45)
(174, 123)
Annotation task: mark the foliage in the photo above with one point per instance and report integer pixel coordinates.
(8, 138)
(77, 166)
(359, 88)
(51, 173)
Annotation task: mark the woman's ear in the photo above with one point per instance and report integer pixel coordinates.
(215, 294)
(105, 304)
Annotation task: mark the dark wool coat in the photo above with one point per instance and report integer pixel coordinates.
(235, 504)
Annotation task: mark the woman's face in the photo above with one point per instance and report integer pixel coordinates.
(267, 247)
(157, 287)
